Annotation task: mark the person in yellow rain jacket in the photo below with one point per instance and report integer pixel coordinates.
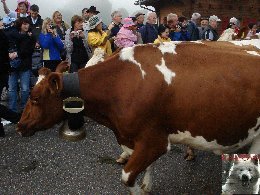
(98, 38)
(163, 34)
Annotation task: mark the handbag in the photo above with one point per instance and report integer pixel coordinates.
(15, 61)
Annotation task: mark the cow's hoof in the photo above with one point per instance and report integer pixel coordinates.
(189, 157)
(121, 160)
(146, 188)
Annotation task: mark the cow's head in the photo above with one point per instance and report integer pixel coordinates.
(44, 107)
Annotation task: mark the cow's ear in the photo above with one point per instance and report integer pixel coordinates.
(55, 82)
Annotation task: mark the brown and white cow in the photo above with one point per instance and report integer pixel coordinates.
(205, 95)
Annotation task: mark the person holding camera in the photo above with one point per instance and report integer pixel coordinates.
(183, 34)
(97, 38)
(76, 44)
(52, 45)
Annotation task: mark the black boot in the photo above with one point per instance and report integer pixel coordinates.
(9, 114)
(2, 131)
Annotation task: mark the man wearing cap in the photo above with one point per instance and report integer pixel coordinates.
(211, 33)
(88, 13)
(193, 27)
(139, 19)
(22, 8)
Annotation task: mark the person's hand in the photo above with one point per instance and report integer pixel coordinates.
(30, 34)
(111, 26)
(81, 34)
(178, 29)
(50, 30)
(3, 1)
(37, 45)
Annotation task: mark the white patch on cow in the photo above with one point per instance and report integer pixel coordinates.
(127, 54)
(169, 145)
(201, 143)
(125, 176)
(168, 47)
(197, 42)
(167, 73)
(97, 57)
(254, 42)
(253, 53)
(127, 150)
(40, 78)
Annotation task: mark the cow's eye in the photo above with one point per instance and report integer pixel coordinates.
(34, 100)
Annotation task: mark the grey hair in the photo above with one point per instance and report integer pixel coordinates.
(115, 13)
(171, 16)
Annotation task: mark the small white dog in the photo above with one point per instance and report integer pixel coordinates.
(243, 177)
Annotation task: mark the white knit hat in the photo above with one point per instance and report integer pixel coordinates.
(211, 18)
(94, 21)
(195, 16)
(233, 20)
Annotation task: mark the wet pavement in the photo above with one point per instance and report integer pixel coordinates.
(46, 164)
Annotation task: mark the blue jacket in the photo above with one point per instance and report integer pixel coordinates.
(149, 33)
(179, 36)
(53, 44)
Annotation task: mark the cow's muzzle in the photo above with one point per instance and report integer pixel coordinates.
(24, 131)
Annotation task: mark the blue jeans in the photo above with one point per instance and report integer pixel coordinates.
(24, 77)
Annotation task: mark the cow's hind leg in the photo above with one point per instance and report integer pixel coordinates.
(144, 154)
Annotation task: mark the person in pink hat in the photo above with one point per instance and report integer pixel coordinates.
(126, 36)
(23, 7)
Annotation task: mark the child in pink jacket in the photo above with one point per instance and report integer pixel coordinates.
(126, 36)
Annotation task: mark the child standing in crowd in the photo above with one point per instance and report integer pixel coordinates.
(51, 44)
(163, 34)
(126, 37)
(97, 38)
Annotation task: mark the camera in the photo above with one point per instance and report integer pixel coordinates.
(76, 33)
(52, 26)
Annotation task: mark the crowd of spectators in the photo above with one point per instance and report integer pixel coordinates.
(28, 42)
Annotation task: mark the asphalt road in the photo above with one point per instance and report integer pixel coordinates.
(46, 164)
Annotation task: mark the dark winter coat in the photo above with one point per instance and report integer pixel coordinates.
(193, 31)
(4, 59)
(37, 27)
(210, 34)
(79, 54)
(24, 44)
(149, 33)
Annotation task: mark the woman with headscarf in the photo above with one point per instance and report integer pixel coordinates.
(97, 38)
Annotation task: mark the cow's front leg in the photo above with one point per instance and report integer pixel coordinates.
(144, 154)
